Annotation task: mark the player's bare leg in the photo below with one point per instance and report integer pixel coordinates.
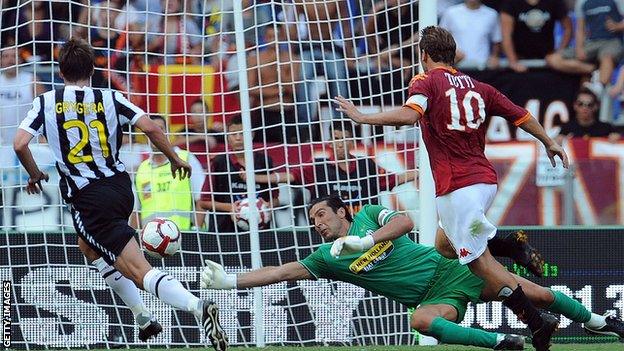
(443, 245)
(125, 288)
(542, 326)
(132, 264)
(436, 320)
(515, 246)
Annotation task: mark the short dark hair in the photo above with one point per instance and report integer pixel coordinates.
(76, 60)
(334, 202)
(587, 91)
(439, 44)
(235, 120)
(344, 126)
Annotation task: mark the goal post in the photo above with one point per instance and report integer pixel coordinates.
(202, 64)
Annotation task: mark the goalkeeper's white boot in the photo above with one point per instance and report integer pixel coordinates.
(212, 327)
(148, 327)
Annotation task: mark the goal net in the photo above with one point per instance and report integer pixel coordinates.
(184, 61)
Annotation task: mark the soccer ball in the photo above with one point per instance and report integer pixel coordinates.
(161, 238)
(244, 213)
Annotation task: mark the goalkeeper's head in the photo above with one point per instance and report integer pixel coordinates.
(330, 217)
(76, 61)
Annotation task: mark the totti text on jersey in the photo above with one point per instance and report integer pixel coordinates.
(79, 107)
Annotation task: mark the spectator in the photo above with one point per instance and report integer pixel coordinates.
(40, 46)
(357, 180)
(195, 136)
(477, 31)
(16, 93)
(128, 64)
(179, 38)
(225, 186)
(161, 195)
(321, 52)
(271, 75)
(528, 33)
(598, 38)
(102, 37)
(585, 123)
(392, 32)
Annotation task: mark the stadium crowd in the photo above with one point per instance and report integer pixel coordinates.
(299, 56)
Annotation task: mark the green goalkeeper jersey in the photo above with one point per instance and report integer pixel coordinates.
(399, 269)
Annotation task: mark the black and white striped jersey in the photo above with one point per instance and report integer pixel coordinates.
(83, 127)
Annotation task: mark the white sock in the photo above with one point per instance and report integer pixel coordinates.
(596, 321)
(169, 290)
(123, 286)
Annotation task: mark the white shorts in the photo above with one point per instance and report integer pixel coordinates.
(462, 217)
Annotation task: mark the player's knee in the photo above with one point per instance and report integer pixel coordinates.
(87, 251)
(421, 323)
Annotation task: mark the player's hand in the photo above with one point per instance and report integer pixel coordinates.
(34, 183)
(182, 168)
(351, 244)
(214, 277)
(348, 108)
(556, 150)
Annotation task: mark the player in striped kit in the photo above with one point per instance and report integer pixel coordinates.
(83, 127)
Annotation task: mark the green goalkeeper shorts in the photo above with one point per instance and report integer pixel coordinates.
(453, 284)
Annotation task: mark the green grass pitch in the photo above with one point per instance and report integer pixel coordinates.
(557, 347)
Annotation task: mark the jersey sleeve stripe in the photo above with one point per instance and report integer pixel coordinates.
(416, 108)
(309, 270)
(34, 119)
(522, 119)
(38, 122)
(127, 109)
(385, 215)
(419, 100)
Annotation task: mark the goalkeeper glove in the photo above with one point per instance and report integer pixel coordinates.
(351, 244)
(214, 277)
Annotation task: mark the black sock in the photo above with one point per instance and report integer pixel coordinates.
(501, 247)
(521, 306)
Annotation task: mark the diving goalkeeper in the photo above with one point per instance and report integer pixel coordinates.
(372, 251)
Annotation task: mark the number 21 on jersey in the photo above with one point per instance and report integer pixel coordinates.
(74, 152)
(470, 120)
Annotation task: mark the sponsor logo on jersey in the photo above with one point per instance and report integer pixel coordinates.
(372, 257)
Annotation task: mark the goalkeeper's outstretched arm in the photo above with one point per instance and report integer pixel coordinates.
(214, 276)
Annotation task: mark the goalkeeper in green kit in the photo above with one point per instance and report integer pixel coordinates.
(372, 251)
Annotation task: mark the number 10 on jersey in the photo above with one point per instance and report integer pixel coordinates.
(470, 121)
